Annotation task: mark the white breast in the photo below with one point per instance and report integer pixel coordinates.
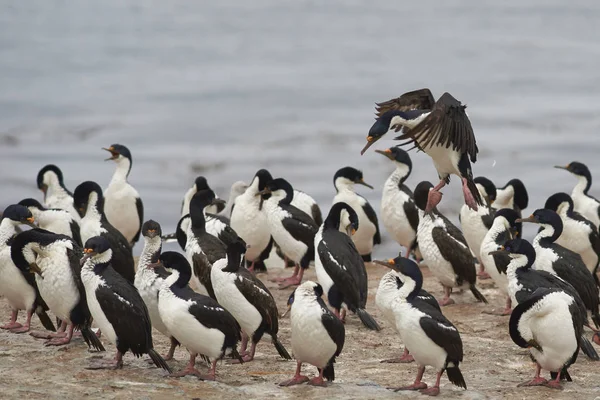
(324, 279)
(192, 247)
(473, 228)
(438, 266)
(251, 224)
(576, 237)
(386, 293)
(586, 206)
(90, 227)
(148, 283)
(63, 201)
(488, 245)
(363, 238)
(121, 210)
(291, 247)
(392, 213)
(544, 258)
(444, 159)
(57, 221)
(13, 286)
(91, 282)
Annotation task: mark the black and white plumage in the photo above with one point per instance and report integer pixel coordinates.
(368, 233)
(148, 280)
(292, 229)
(555, 259)
(123, 206)
(18, 286)
(444, 248)
(51, 182)
(512, 195)
(55, 220)
(550, 325)
(579, 234)
(399, 214)
(317, 335)
(201, 184)
(246, 298)
(53, 260)
(89, 201)
(427, 334)
(340, 269)
(237, 189)
(504, 227)
(585, 204)
(441, 129)
(116, 306)
(198, 322)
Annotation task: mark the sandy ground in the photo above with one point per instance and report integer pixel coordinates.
(493, 365)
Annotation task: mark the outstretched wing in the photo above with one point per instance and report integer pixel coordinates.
(420, 99)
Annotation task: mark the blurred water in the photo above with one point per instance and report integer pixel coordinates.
(225, 88)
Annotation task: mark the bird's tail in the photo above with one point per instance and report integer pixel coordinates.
(45, 319)
(455, 376)
(280, 349)
(91, 339)
(480, 297)
(329, 372)
(171, 237)
(236, 355)
(205, 359)
(596, 319)
(474, 191)
(367, 319)
(564, 375)
(588, 349)
(159, 361)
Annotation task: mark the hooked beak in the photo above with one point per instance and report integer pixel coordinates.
(566, 168)
(499, 251)
(362, 182)
(35, 269)
(386, 152)
(531, 218)
(391, 264)
(86, 256)
(370, 142)
(114, 154)
(289, 307)
(30, 222)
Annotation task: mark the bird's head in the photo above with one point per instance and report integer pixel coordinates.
(118, 152)
(486, 188)
(398, 155)
(151, 229)
(18, 215)
(380, 127)
(48, 175)
(278, 189)
(559, 202)
(576, 168)
(517, 249)
(348, 177)
(96, 248)
(421, 194)
(86, 194)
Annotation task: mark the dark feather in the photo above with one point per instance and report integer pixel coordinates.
(420, 99)
(140, 211)
(457, 254)
(370, 213)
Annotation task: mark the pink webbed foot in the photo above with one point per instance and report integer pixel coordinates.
(596, 338)
(554, 384)
(185, 372)
(482, 275)
(414, 386)
(469, 199)
(296, 380)
(106, 364)
(433, 200)
(246, 358)
(432, 391)
(11, 326)
(537, 381)
(446, 301)
(47, 334)
(317, 381)
(58, 341)
(293, 281)
(21, 329)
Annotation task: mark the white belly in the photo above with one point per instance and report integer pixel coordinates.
(57, 286)
(324, 279)
(586, 207)
(393, 216)
(310, 341)
(363, 238)
(251, 224)
(13, 286)
(438, 266)
(575, 237)
(557, 338)
(121, 210)
(472, 227)
(292, 248)
(100, 319)
(148, 284)
(444, 160)
(488, 245)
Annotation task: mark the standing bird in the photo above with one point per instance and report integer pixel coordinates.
(198, 322)
(124, 208)
(17, 286)
(444, 249)
(512, 195)
(428, 335)
(368, 233)
(148, 280)
(250, 222)
(55, 220)
(557, 260)
(550, 325)
(200, 184)
(54, 259)
(399, 213)
(340, 269)
(317, 335)
(579, 234)
(293, 230)
(116, 306)
(246, 298)
(585, 204)
(441, 129)
(50, 181)
(89, 201)
(504, 228)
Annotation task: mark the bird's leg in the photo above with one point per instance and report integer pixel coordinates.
(434, 197)
(171, 352)
(417, 385)
(343, 315)
(279, 279)
(596, 338)
(537, 379)
(212, 373)
(58, 341)
(108, 364)
(293, 280)
(403, 359)
(251, 267)
(555, 383)
(190, 369)
(434, 390)
(244, 345)
(482, 274)
(469, 199)
(25, 327)
(248, 356)
(13, 324)
(318, 380)
(297, 379)
(446, 300)
(50, 335)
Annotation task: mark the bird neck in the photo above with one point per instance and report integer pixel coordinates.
(95, 209)
(519, 262)
(547, 235)
(150, 252)
(410, 288)
(99, 262)
(400, 174)
(234, 260)
(121, 172)
(8, 229)
(583, 185)
(343, 184)
(55, 188)
(177, 279)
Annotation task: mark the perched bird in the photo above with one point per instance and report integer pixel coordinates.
(399, 213)
(557, 260)
(55, 220)
(50, 181)
(18, 287)
(116, 306)
(292, 229)
(476, 223)
(54, 259)
(148, 280)
(317, 335)
(89, 201)
(198, 322)
(387, 292)
(441, 129)
(250, 222)
(237, 189)
(340, 269)
(504, 227)
(368, 234)
(444, 249)
(550, 325)
(246, 298)
(200, 184)
(579, 234)
(585, 204)
(124, 208)
(513, 195)
(428, 335)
